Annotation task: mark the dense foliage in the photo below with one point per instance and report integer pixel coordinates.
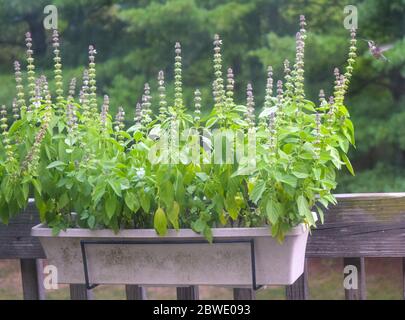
(175, 168)
(134, 40)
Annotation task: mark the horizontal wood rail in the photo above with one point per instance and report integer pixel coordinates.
(360, 225)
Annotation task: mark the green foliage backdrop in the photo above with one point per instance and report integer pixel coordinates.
(135, 40)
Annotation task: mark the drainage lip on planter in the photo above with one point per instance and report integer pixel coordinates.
(140, 256)
(41, 230)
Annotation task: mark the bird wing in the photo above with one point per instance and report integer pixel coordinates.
(385, 47)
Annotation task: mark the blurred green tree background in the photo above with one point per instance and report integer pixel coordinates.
(135, 39)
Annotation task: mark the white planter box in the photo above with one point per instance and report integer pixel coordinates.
(139, 256)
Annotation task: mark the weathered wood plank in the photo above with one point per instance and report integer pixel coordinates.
(134, 292)
(299, 289)
(79, 292)
(361, 225)
(15, 238)
(187, 293)
(360, 292)
(244, 294)
(29, 279)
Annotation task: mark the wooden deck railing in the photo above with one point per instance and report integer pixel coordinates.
(361, 225)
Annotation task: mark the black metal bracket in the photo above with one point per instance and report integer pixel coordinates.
(90, 286)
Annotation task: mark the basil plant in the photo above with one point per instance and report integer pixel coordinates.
(173, 165)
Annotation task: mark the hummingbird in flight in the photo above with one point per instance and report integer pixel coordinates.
(378, 51)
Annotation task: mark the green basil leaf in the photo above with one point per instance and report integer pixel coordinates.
(131, 201)
(160, 222)
(303, 209)
(56, 164)
(173, 215)
(110, 206)
(273, 210)
(257, 191)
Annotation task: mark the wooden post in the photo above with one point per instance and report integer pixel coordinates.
(244, 294)
(40, 277)
(360, 292)
(29, 276)
(135, 292)
(79, 292)
(299, 289)
(403, 278)
(187, 293)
